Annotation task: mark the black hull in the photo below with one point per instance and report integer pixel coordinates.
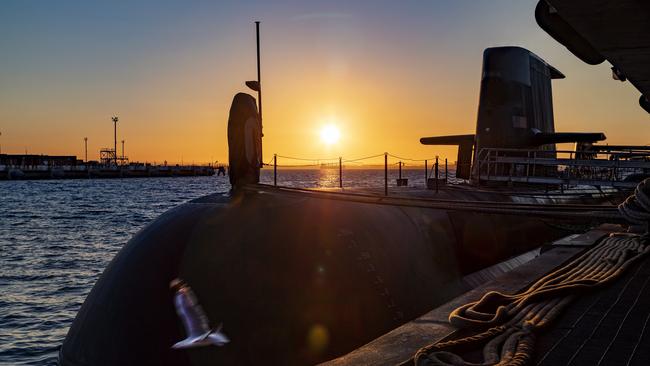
(295, 278)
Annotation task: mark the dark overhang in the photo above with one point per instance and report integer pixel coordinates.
(597, 30)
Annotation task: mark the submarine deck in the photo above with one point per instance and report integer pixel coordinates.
(579, 205)
(606, 326)
(472, 192)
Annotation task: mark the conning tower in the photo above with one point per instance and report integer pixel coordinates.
(515, 109)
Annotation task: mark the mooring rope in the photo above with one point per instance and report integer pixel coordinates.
(506, 325)
(636, 207)
(509, 323)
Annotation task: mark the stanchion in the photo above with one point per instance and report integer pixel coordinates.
(385, 174)
(400, 169)
(436, 174)
(426, 174)
(340, 172)
(275, 170)
(446, 171)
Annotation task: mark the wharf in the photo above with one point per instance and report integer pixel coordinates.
(99, 171)
(607, 326)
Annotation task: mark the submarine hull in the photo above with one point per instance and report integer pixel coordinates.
(294, 279)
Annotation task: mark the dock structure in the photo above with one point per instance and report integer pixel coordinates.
(69, 167)
(605, 326)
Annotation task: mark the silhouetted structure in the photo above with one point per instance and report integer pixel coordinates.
(69, 167)
(244, 141)
(274, 264)
(35, 160)
(108, 156)
(515, 109)
(595, 31)
(115, 119)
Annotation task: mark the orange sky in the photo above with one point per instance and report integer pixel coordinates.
(385, 76)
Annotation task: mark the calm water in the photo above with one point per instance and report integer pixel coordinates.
(57, 236)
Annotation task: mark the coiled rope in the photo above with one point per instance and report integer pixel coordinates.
(507, 324)
(636, 208)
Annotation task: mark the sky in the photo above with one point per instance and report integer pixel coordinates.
(384, 72)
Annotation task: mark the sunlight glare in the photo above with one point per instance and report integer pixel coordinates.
(330, 134)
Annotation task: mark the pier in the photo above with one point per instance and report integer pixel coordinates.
(605, 325)
(14, 167)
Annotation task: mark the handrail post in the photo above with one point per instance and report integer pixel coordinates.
(436, 174)
(527, 166)
(476, 167)
(446, 172)
(340, 172)
(489, 153)
(426, 173)
(385, 174)
(275, 170)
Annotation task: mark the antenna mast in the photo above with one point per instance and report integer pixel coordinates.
(259, 81)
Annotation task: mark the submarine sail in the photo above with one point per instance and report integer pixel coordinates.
(515, 109)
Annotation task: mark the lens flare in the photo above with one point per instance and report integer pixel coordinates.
(318, 338)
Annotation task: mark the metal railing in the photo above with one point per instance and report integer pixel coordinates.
(564, 167)
(432, 177)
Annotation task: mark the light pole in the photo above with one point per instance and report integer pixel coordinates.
(86, 148)
(115, 119)
(122, 151)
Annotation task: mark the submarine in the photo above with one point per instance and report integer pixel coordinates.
(303, 276)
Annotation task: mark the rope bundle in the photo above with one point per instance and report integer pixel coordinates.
(636, 208)
(507, 324)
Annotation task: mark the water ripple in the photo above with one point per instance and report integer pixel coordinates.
(56, 237)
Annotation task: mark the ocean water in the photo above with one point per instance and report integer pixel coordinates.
(57, 236)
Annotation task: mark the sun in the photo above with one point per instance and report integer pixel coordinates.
(330, 134)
